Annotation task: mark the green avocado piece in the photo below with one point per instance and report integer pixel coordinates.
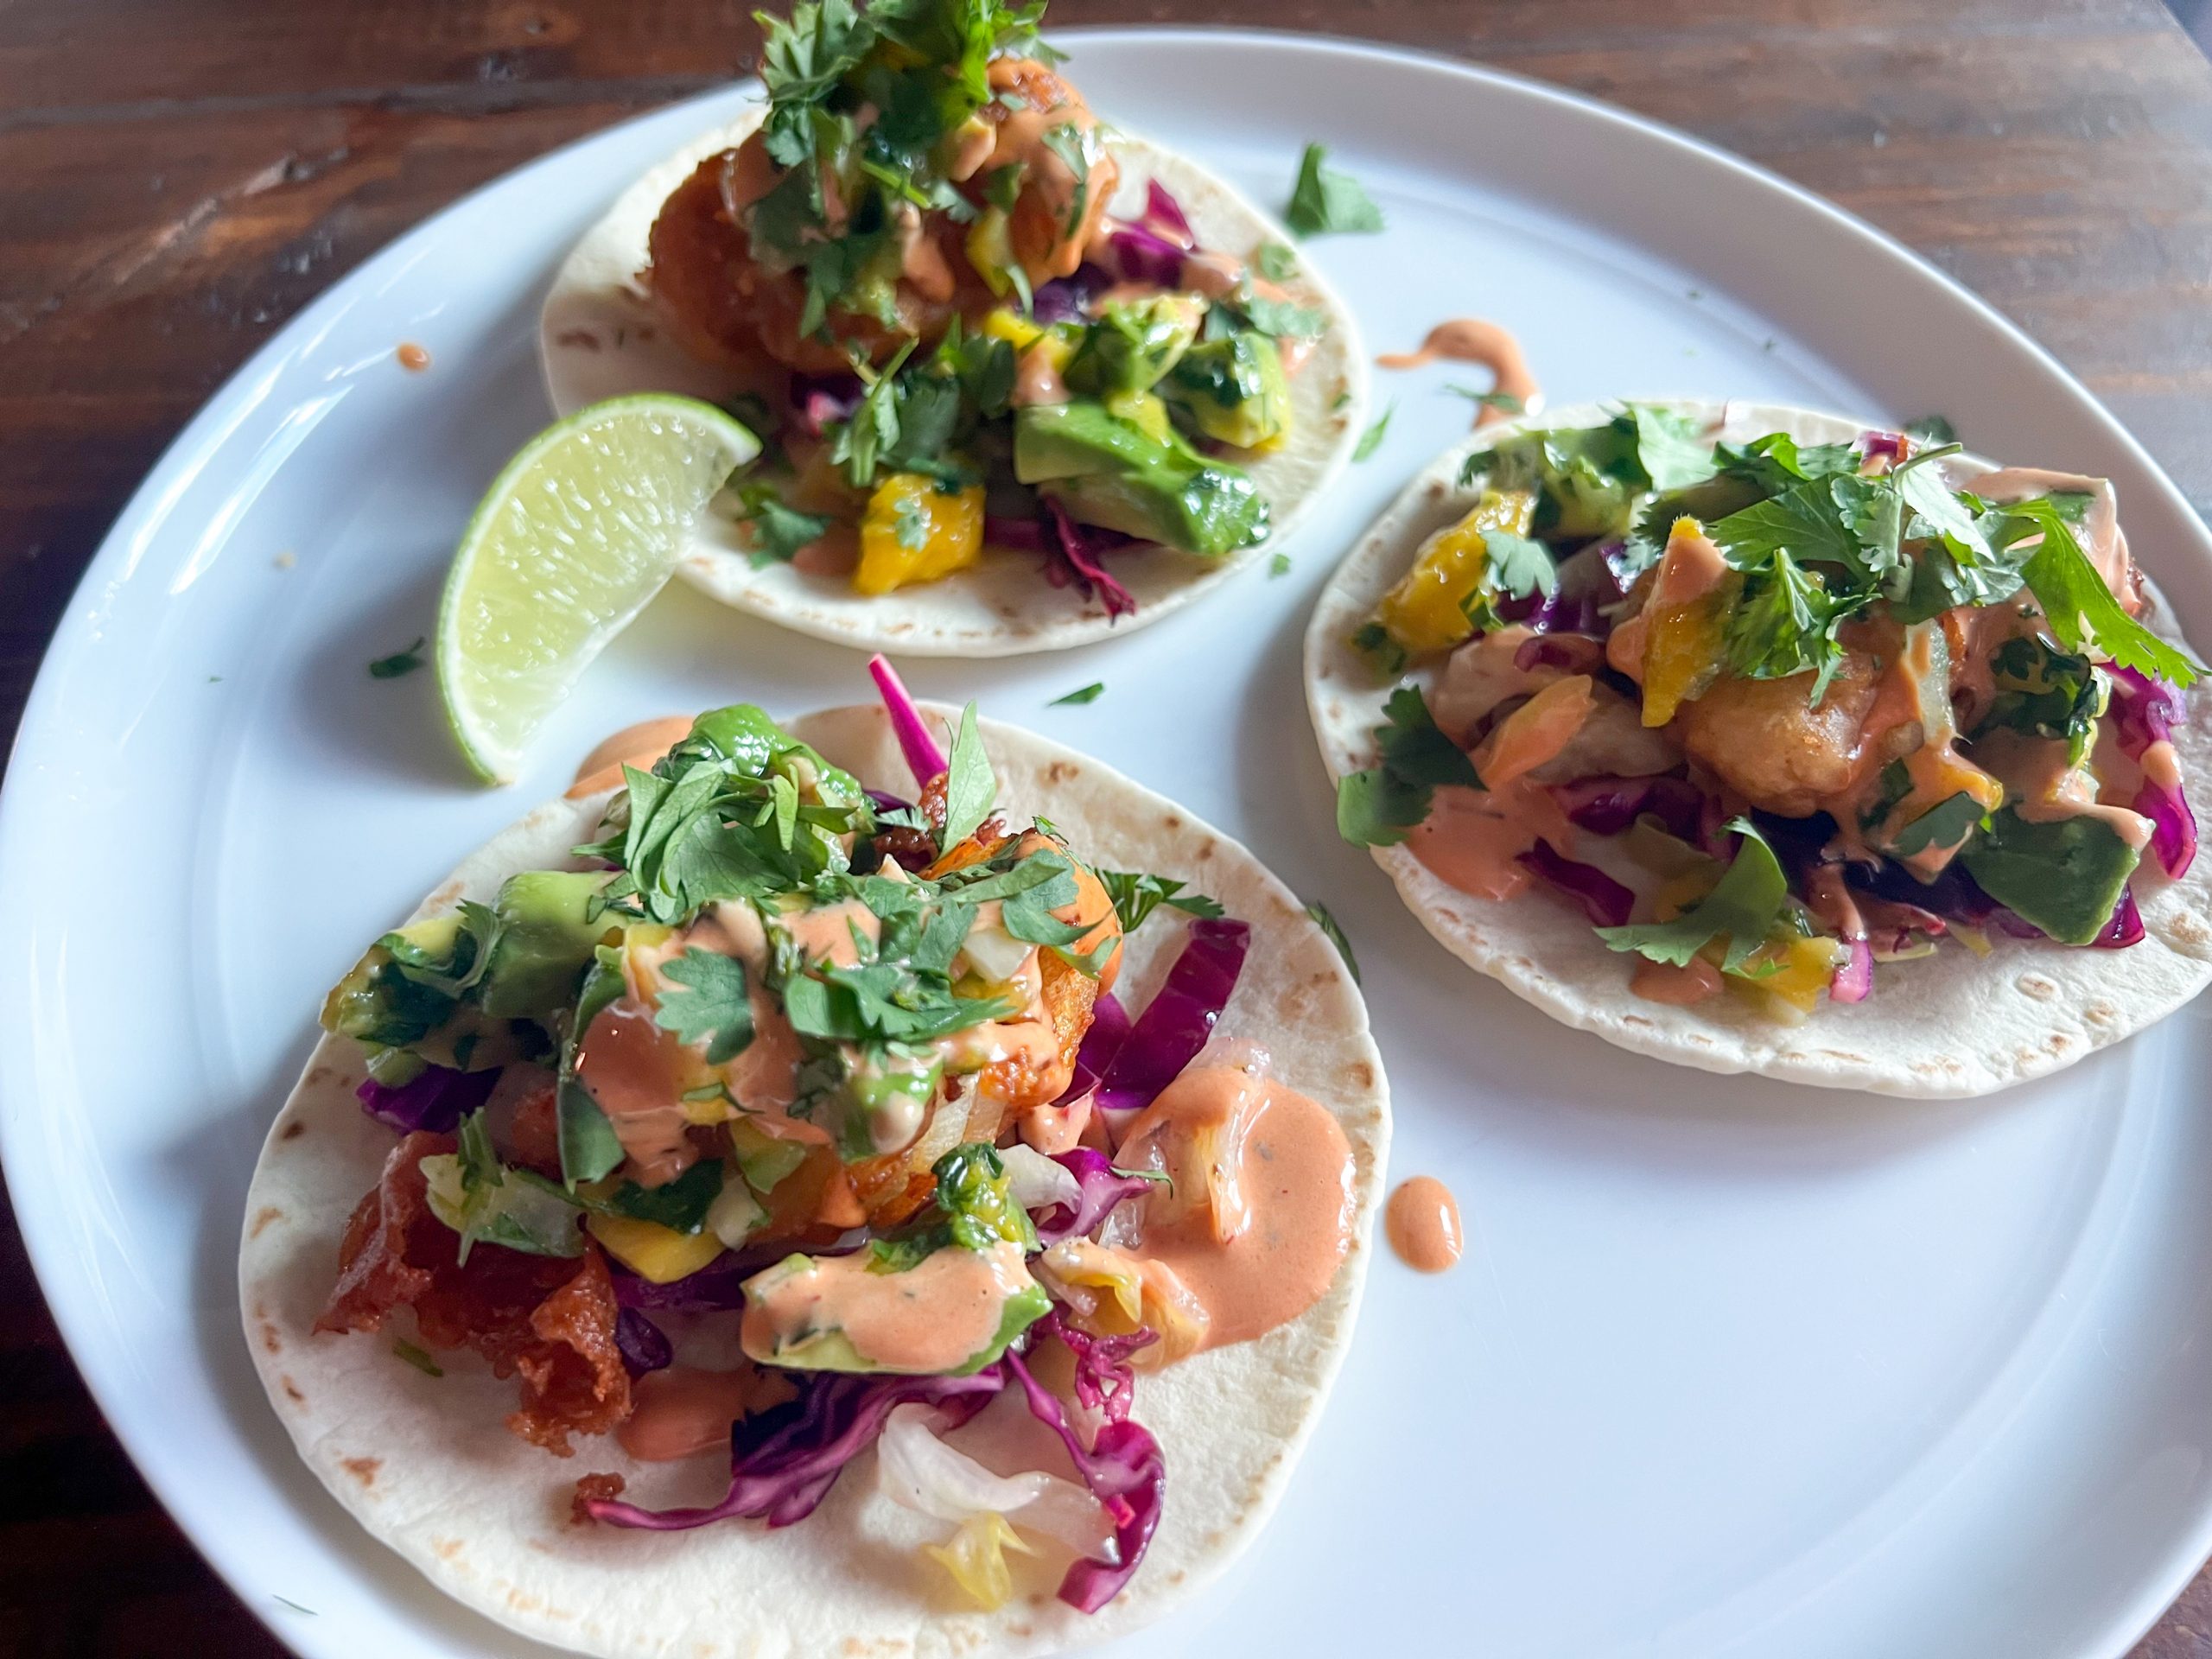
(378, 1005)
(826, 1347)
(1232, 390)
(1206, 510)
(544, 942)
(1080, 438)
(2065, 876)
(1132, 347)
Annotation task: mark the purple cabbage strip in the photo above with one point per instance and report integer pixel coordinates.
(1604, 900)
(2126, 927)
(718, 1287)
(1164, 216)
(645, 1346)
(1175, 1025)
(1124, 1472)
(1070, 299)
(1607, 805)
(435, 1099)
(1018, 535)
(1142, 255)
(2145, 711)
(885, 801)
(1103, 1187)
(783, 1461)
(1109, 1029)
(818, 399)
(1854, 981)
(1883, 446)
(1077, 560)
(1105, 1382)
(923, 759)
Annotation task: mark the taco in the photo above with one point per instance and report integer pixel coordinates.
(1018, 376)
(744, 1210)
(1761, 740)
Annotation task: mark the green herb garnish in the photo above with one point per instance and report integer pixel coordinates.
(1324, 201)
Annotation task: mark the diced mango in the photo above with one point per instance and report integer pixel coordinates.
(1010, 326)
(914, 531)
(1425, 611)
(651, 1250)
(1685, 623)
(1797, 968)
(1535, 732)
(990, 250)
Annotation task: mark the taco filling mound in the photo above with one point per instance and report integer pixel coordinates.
(1782, 710)
(978, 329)
(788, 1120)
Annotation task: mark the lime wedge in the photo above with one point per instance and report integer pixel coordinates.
(582, 528)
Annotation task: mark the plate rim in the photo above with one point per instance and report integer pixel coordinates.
(149, 506)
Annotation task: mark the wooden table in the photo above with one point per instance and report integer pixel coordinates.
(178, 177)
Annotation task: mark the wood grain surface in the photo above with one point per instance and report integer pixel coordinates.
(178, 177)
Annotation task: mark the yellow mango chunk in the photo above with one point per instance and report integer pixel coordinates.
(651, 1250)
(1795, 968)
(1010, 326)
(1424, 613)
(914, 531)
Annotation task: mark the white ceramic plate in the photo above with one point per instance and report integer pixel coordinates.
(1730, 1368)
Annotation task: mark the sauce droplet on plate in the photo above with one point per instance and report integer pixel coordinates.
(1472, 340)
(412, 357)
(1423, 1220)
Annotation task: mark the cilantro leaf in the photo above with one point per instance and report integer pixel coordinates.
(1066, 140)
(486, 1203)
(1375, 808)
(1080, 696)
(1513, 565)
(1503, 401)
(422, 1363)
(1784, 623)
(713, 1009)
(1136, 894)
(971, 788)
(1276, 263)
(1279, 564)
(1804, 520)
(1371, 440)
(680, 1205)
(399, 663)
(1931, 430)
(1743, 906)
(2081, 608)
(778, 532)
(873, 427)
(1670, 448)
(1324, 201)
(1329, 925)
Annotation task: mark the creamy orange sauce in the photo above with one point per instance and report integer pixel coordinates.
(1681, 987)
(2099, 536)
(1422, 1219)
(827, 934)
(682, 1411)
(412, 357)
(1487, 345)
(1474, 838)
(835, 553)
(635, 1070)
(637, 745)
(1037, 379)
(1055, 1130)
(934, 1317)
(1535, 732)
(1259, 1218)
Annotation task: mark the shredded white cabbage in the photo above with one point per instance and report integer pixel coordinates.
(1036, 1182)
(919, 1471)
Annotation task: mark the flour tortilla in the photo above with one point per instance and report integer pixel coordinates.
(1947, 1025)
(428, 1467)
(600, 335)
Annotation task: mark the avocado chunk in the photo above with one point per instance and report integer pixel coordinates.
(2064, 875)
(829, 1313)
(1232, 390)
(543, 943)
(1108, 471)
(1132, 346)
(379, 1004)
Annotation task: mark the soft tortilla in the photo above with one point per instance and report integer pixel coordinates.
(1952, 1024)
(427, 1466)
(600, 336)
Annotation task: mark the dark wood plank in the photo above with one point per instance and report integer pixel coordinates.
(177, 179)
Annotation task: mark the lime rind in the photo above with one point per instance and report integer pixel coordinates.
(582, 528)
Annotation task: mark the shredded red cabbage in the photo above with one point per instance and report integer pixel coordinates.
(923, 759)
(715, 1288)
(1142, 255)
(1018, 535)
(1175, 1025)
(1587, 582)
(818, 399)
(1125, 1473)
(884, 801)
(1604, 900)
(1070, 299)
(436, 1099)
(783, 1461)
(1109, 1029)
(1078, 559)
(2145, 711)
(1105, 1382)
(1164, 215)
(1854, 981)
(1103, 1187)
(2125, 926)
(1607, 805)
(645, 1346)
(1883, 446)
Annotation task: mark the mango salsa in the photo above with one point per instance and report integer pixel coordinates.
(1685, 623)
(914, 531)
(652, 1251)
(1795, 968)
(1425, 612)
